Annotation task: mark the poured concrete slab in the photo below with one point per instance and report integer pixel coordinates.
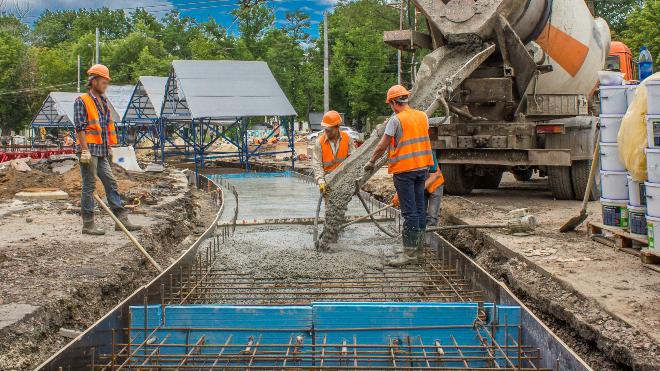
(12, 313)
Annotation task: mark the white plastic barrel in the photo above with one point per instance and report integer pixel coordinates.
(609, 157)
(636, 193)
(613, 100)
(609, 127)
(630, 94)
(653, 230)
(614, 185)
(615, 212)
(653, 130)
(653, 164)
(653, 88)
(653, 199)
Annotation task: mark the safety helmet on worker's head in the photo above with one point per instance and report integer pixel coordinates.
(398, 93)
(100, 71)
(331, 119)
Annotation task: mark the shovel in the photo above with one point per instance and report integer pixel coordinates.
(575, 221)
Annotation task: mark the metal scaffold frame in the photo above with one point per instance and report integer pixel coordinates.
(209, 101)
(142, 121)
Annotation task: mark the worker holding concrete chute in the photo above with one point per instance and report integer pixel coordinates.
(410, 155)
(95, 136)
(331, 149)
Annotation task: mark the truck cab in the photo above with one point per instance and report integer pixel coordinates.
(621, 59)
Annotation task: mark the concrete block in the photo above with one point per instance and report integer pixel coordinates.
(42, 195)
(12, 313)
(63, 166)
(155, 168)
(21, 164)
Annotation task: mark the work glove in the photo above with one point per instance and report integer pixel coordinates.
(322, 186)
(368, 167)
(85, 157)
(395, 200)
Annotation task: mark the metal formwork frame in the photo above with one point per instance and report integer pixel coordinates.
(145, 126)
(53, 120)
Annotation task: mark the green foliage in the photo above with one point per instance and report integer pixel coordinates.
(13, 72)
(615, 12)
(643, 29)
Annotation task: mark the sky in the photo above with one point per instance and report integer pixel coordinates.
(198, 9)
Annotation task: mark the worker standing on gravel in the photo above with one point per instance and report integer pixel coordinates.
(95, 136)
(331, 149)
(410, 155)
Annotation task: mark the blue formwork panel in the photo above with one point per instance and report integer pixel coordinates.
(414, 334)
(224, 328)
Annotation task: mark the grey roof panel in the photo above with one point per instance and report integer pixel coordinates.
(146, 101)
(57, 110)
(215, 89)
(155, 88)
(119, 96)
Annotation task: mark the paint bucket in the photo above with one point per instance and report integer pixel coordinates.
(637, 220)
(652, 199)
(609, 127)
(636, 193)
(630, 94)
(614, 185)
(653, 89)
(609, 158)
(615, 212)
(653, 164)
(653, 227)
(613, 100)
(653, 130)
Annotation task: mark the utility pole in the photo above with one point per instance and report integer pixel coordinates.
(326, 65)
(399, 68)
(98, 47)
(78, 73)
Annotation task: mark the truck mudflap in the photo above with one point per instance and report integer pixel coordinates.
(505, 156)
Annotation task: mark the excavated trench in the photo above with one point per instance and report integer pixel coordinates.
(262, 257)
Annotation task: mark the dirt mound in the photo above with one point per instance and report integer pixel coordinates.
(12, 182)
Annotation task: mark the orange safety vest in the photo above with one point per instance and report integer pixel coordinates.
(436, 183)
(329, 160)
(414, 148)
(93, 129)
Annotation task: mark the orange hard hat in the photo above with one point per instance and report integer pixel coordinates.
(331, 119)
(99, 70)
(396, 91)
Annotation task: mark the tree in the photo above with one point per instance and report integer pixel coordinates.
(13, 108)
(178, 32)
(615, 13)
(642, 29)
(139, 48)
(254, 22)
(296, 25)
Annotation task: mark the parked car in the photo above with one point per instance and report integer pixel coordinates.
(355, 135)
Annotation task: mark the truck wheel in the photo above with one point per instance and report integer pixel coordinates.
(489, 181)
(457, 182)
(580, 176)
(523, 175)
(561, 185)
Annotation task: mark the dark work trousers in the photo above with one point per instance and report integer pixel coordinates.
(410, 188)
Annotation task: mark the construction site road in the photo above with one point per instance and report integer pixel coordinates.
(607, 297)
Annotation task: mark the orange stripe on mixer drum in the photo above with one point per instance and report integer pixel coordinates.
(563, 48)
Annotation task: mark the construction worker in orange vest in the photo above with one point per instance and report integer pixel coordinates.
(410, 155)
(433, 189)
(331, 149)
(95, 136)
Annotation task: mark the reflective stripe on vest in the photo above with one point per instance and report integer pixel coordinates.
(413, 151)
(93, 129)
(440, 180)
(330, 161)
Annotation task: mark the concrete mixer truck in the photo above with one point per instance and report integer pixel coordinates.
(515, 78)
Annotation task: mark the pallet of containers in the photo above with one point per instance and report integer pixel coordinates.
(613, 175)
(653, 165)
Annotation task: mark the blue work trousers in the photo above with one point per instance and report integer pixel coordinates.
(99, 166)
(410, 188)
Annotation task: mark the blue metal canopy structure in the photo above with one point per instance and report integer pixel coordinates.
(209, 101)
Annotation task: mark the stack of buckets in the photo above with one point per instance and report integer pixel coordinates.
(653, 164)
(622, 199)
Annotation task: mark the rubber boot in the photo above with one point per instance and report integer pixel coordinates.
(404, 254)
(421, 243)
(123, 218)
(90, 228)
